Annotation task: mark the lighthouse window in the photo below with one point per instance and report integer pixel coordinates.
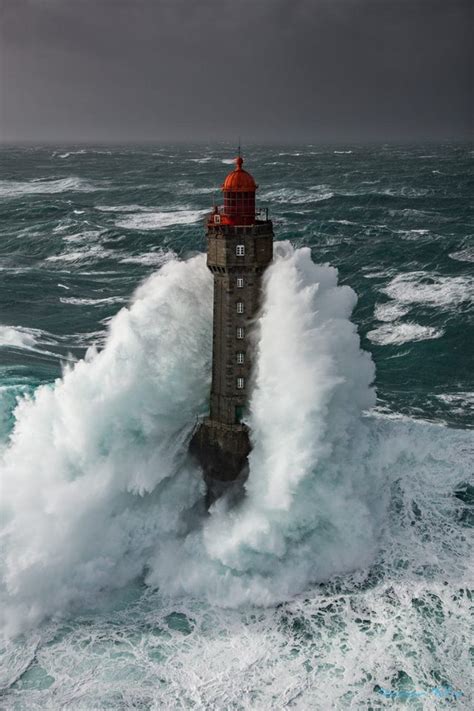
(240, 307)
(240, 358)
(240, 333)
(240, 282)
(240, 250)
(240, 383)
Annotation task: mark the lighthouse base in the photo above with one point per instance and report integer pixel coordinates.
(222, 451)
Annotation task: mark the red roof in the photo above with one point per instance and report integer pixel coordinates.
(239, 180)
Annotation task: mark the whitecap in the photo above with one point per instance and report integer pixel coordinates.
(461, 403)
(17, 337)
(148, 258)
(80, 152)
(394, 334)
(404, 191)
(91, 252)
(124, 208)
(422, 287)
(28, 339)
(464, 255)
(297, 195)
(201, 191)
(377, 274)
(17, 188)
(390, 311)
(413, 234)
(160, 220)
(56, 154)
(76, 301)
(85, 236)
(70, 153)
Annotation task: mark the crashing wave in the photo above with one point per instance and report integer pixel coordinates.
(98, 487)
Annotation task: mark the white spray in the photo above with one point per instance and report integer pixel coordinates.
(309, 511)
(87, 453)
(97, 485)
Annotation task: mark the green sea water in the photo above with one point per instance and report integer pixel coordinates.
(81, 229)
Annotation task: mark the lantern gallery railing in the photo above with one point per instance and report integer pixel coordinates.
(260, 215)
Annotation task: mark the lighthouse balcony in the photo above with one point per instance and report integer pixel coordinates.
(225, 218)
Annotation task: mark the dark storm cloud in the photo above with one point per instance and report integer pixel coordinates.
(266, 69)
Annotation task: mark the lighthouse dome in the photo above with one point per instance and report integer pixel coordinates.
(239, 180)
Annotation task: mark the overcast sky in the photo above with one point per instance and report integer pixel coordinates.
(205, 70)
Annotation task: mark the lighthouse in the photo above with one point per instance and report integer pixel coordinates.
(239, 249)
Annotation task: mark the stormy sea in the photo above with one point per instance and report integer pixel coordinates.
(344, 579)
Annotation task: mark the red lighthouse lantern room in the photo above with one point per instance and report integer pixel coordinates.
(239, 197)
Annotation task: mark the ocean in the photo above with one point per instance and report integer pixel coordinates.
(344, 579)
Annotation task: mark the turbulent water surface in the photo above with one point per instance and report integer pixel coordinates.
(344, 579)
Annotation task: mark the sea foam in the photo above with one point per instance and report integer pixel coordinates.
(17, 337)
(160, 220)
(16, 188)
(421, 287)
(392, 334)
(28, 339)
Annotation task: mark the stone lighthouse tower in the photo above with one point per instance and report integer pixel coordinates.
(239, 248)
